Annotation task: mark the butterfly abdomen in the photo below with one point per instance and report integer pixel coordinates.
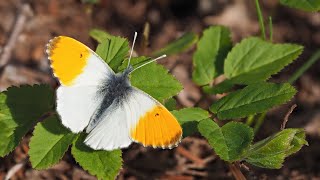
(113, 91)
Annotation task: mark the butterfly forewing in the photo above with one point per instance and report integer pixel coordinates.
(80, 72)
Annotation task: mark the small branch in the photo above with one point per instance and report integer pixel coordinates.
(13, 170)
(314, 58)
(259, 122)
(260, 18)
(270, 29)
(25, 12)
(236, 172)
(181, 150)
(286, 118)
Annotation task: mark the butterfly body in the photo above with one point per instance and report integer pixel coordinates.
(114, 89)
(104, 104)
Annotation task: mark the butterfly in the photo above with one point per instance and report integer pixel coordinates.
(92, 97)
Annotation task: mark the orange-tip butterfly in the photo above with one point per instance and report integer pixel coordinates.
(93, 98)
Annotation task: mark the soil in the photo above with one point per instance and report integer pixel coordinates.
(193, 159)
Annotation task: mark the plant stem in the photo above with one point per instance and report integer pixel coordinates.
(260, 17)
(259, 122)
(270, 29)
(236, 172)
(250, 120)
(305, 66)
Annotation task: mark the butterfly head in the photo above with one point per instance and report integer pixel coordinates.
(127, 71)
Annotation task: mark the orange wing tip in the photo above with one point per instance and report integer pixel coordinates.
(163, 130)
(68, 57)
(52, 45)
(170, 145)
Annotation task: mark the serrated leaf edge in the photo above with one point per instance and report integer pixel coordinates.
(39, 168)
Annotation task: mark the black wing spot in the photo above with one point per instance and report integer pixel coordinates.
(80, 55)
(156, 115)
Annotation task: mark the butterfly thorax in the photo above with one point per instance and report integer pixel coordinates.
(114, 89)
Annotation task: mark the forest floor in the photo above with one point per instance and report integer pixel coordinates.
(193, 159)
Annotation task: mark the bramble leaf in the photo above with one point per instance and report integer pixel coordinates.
(99, 35)
(230, 141)
(220, 88)
(113, 50)
(49, 142)
(103, 164)
(306, 5)
(20, 108)
(254, 60)
(271, 152)
(254, 98)
(153, 79)
(190, 114)
(189, 118)
(179, 45)
(212, 48)
(170, 104)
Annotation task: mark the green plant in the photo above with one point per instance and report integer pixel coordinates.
(250, 64)
(22, 108)
(306, 5)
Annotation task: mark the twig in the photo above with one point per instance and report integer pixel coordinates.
(259, 122)
(236, 172)
(25, 12)
(13, 170)
(145, 36)
(181, 150)
(314, 58)
(260, 18)
(286, 118)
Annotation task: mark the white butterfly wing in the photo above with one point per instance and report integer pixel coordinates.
(80, 72)
(112, 131)
(139, 118)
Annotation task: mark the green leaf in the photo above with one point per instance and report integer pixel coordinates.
(190, 114)
(170, 104)
(189, 118)
(103, 164)
(229, 142)
(102, 49)
(220, 88)
(306, 5)
(49, 142)
(212, 49)
(179, 45)
(99, 35)
(189, 128)
(254, 98)
(254, 60)
(153, 79)
(113, 50)
(20, 109)
(271, 152)
(90, 1)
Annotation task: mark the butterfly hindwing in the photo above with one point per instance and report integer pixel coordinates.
(151, 124)
(111, 132)
(138, 118)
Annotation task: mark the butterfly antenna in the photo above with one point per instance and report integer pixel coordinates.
(134, 41)
(153, 60)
